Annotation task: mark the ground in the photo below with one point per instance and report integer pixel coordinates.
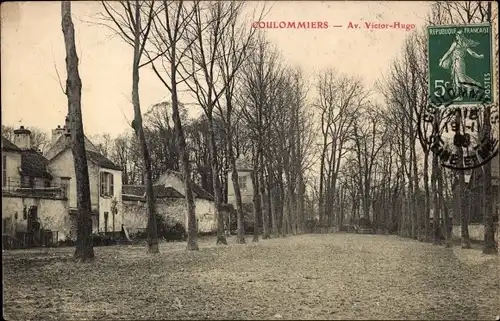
(324, 276)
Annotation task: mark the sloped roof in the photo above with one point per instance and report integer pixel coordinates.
(8, 145)
(34, 164)
(201, 193)
(138, 192)
(101, 160)
(58, 147)
(197, 190)
(64, 142)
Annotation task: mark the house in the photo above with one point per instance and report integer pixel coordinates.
(32, 201)
(105, 180)
(33, 168)
(11, 162)
(244, 181)
(204, 201)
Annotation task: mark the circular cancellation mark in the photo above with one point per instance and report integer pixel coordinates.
(457, 134)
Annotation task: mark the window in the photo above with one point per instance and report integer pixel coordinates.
(242, 182)
(107, 184)
(4, 170)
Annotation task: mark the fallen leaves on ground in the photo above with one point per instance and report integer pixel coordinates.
(324, 276)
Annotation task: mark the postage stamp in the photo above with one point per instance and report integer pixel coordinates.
(460, 122)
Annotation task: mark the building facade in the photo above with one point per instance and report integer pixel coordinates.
(204, 201)
(34, 206)
(105, 180)
(244, 181)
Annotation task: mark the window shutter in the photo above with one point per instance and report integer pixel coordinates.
(102, 183)
(111, 184)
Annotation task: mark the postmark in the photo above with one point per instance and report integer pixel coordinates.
(460, 122)
(459, 134)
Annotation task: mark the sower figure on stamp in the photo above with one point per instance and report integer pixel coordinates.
(454, 60)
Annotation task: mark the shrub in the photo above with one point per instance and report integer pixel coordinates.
(312, 225)
(66, 242)
(343, 228)
(102, 240)
(365, 222)
(167, 229)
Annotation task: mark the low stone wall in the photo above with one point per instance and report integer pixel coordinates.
(173, 209)
(476, 232)
(52, 213)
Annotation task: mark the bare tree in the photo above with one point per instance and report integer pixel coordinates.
(235, 47)
(161, 137)
(339, 99)
(211, 24)
(103, 143)
(84, 249)
(133, 21)
(125, 154)
(170, 49)
(263, 94)
(369, 139)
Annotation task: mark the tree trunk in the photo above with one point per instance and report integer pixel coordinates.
(192, 230)
(489, 246)
(280, 201)
(434, 178)
(427, 195)
(446, 217)
(239, 205)
(321, 196)
(463, 211)
(342, 205)
(273, 202)
(240, 238)
(256, 203)
(84, 249)
(221, 238)
(460, 191)
(263, 199)
(300, 202)
(416, 229)
(139, 131)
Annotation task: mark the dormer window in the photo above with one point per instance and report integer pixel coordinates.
(107, 184)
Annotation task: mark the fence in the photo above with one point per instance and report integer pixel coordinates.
(22, 240)
(34, 188)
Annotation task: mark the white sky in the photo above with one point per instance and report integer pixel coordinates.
(32, 45)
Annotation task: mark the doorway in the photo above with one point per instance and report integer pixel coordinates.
(33, 227)
(106, 217)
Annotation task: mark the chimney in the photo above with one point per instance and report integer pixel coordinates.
(22, 138)
(56, 133)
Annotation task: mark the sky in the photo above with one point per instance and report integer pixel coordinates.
(33, 54)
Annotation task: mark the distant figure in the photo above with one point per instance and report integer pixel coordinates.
(454, 60)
